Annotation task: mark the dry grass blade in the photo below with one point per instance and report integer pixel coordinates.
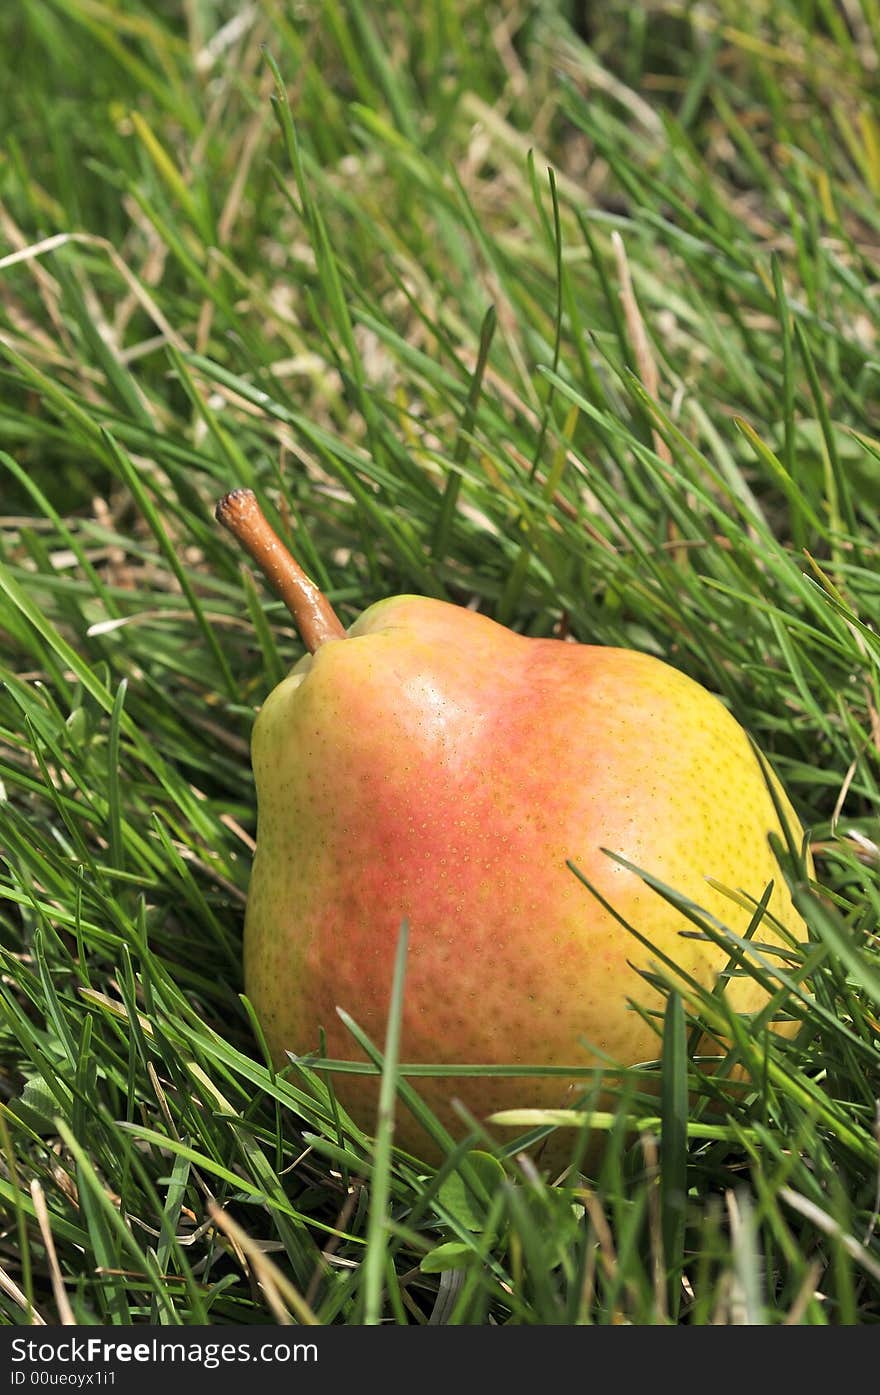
(10, 1287)
(638, 336)
(829, 1226)
(65, 1312)
(284, 1299)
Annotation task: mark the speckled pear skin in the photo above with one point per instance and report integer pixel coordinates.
(439, 767)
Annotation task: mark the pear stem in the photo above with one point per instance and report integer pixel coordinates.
(315, 617)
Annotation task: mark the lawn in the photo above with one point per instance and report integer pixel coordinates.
(566, 313)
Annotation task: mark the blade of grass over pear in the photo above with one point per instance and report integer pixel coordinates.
(374, 1267)
(673, 1146)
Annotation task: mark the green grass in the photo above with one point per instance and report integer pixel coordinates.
(368, 259)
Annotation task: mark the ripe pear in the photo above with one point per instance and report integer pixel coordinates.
(432, 765)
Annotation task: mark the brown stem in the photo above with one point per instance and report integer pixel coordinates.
(315, 618)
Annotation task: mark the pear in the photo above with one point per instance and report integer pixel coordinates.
(432, 765)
